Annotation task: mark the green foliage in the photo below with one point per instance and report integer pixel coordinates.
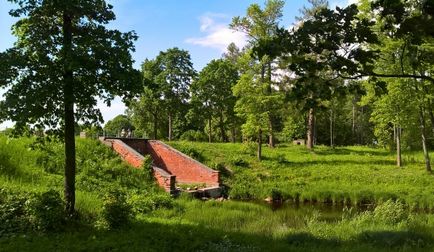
(46, 211)
(116, 212)
(144, 204)
(391, 212)
(13, 214)
(115, 126)
(249, 148)
(192, 152)
(339, 176)
(238, 161)
(212, 94)
(193, 135)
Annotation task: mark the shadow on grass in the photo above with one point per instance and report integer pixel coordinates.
(346, 151)
(149, 236)
(336, 163)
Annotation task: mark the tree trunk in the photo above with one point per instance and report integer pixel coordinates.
(170, 127)
(398, 146)
(331, 129)
(310, 129)
(259, 153)
(155, 126)
(233, 134)
(353, 126)
(271, 136)
(68, 89)
(423, 134)
(209, 130)
(431, 115)
(271, 143)
(222, 128)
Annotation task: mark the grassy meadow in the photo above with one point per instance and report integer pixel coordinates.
(157, 222)
(341, 176)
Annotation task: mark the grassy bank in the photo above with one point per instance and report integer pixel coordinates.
(160, 223)
(344, 175)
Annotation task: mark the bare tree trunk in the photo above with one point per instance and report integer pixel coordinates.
(398, 146)
(423, 134)
(310, 129)
(170, 126)
(209, 130)
(259, 153)
(68, 91)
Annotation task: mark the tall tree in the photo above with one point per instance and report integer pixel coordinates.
(117, 124)
(174, 80)
(321, 50)
(64, 59)
(212, 92)
(261, 25)
(148, 110)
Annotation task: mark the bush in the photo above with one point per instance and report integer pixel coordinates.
(13, 217)
(224, 171)
(116, 212)
(249, 148)
(191, 152)
(147, 203)
(193, 135)
(46, 211)
(276, 194)
(239, 161)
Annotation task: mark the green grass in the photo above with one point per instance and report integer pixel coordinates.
(191, 225)
(345, 175)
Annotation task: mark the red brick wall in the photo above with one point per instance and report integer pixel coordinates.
(171, 161)
(135, 159)
(164, 179)
(186, 169)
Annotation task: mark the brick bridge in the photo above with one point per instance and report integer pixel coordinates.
(170, 166)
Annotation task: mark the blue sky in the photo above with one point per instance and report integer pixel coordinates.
(199, 26)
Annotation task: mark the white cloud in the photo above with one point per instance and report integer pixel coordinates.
(218, 35)
(343, 3)
(117, 108)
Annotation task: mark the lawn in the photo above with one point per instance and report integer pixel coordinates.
(344, 175)
(161, 223)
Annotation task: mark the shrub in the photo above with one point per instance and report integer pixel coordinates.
(50, 155)
(116, 212)
(46, 211)
(276, 194)
(13, 218)
(224, 171)
(239, 161)
(147, 203)
(193, 135)
(191, 152)
(249, 148)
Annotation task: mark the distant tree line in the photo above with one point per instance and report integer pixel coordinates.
(359, 75)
